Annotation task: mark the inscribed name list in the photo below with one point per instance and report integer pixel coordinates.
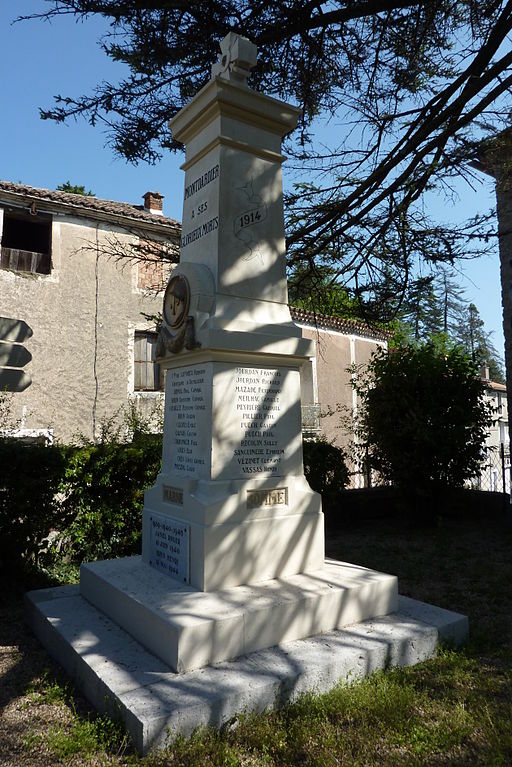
(259, 422)
(169, 546)
(187, 426)
(231, 422)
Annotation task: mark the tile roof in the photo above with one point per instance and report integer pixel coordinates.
(493, 385)
(88, 205)
(350, 327)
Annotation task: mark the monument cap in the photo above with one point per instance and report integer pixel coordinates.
(238, 56)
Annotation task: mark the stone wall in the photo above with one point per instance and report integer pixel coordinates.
(335, 353)
(83, 316)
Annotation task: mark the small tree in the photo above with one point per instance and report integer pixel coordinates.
(67, 186)
(423, 416)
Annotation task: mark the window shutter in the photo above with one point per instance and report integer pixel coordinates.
(146, 370)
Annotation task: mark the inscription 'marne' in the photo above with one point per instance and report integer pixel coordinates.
(173, 495)
(259, 498)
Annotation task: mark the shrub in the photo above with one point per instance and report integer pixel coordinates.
(63, 505)
(29, 508)
(423, 416)
(325, 468)
(104, 488)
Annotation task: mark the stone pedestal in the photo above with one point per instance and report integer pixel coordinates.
(189, 629)
(232, 477)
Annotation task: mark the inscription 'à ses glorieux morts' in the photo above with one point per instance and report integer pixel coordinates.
(191, 189)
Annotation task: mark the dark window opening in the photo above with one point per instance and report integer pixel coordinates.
(147, 375)
(26, 243)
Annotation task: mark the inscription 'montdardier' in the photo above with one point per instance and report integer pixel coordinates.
(202, 181)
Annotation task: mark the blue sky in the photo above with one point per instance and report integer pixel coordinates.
(64, 58)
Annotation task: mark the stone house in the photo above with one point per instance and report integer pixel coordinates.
(495, 475)
(328, 397)
(77, 270)
(86, 275)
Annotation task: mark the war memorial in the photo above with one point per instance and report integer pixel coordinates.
(232, 605)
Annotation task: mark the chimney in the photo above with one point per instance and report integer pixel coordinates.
(485, 373)
(153, 203)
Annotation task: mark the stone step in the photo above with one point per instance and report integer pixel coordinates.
(188, 629)
(121, 678)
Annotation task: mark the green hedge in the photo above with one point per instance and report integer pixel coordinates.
(64, 505)
(30, 480)
(325, 468)
(74, 503)
(104, 487)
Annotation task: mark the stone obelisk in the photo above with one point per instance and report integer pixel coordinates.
(232, 477)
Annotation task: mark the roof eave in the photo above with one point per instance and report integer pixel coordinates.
(164, 227)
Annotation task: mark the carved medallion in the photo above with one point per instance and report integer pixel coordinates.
(176, 301)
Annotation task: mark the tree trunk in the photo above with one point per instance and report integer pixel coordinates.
(504, 209)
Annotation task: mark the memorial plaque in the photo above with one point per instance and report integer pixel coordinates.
(169, 546)
(257, 432)
(188, 410)
(257, 397)
(173, 495)
(257, 499)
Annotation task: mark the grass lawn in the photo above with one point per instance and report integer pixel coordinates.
(454, 710)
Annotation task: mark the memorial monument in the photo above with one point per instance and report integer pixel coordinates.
(231, 507)
(233, 537)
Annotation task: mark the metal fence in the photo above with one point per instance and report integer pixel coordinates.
(495, 474)
(311, 420)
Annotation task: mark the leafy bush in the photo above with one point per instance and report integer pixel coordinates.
(63, 505)
(325, 468)
(104, 487)
(424, 419)
(29, 508)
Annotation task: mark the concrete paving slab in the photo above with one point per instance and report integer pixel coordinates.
(121, 678)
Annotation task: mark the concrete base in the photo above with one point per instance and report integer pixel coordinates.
(121, 678)
(189, 629)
